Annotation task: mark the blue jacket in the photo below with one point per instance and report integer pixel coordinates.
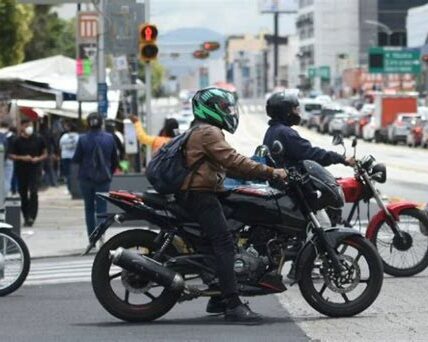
(296, 148)
(84, 152)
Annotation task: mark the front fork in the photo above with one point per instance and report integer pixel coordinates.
(389, 217)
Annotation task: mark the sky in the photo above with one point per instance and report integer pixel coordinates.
(224, 16)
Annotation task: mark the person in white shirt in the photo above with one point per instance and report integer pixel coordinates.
(68, 144)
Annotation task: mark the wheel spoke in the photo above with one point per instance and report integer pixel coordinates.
(114, 276)
(345, 297)
(343, 249)
(148, 294)
(127, 296)
(357, 258)
(324, 286)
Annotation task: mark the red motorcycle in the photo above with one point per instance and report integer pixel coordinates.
(398, 230)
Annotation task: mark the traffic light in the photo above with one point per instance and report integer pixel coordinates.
(211, 46)
(201, 54)
(148, 49)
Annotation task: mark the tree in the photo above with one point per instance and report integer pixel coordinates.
(15, 31)
(52, 35)
(158, 72)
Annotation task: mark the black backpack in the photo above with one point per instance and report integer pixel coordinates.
(168, 170)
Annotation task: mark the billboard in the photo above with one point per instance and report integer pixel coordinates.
(278, 6)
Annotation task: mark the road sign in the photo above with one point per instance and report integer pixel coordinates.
(391, 60)
(278, 6)
(312, 72)
(121, 28)
(102, 99)
(324, 72)
(88, 25)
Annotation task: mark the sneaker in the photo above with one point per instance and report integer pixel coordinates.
(242, 314)
(30, 222)
(216, 305)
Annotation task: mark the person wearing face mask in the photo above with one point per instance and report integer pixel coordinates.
(28, 151)
(283, 108)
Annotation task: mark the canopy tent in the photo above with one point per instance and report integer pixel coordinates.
(51, 84)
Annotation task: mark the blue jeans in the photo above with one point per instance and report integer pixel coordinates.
(93, 204)
(8, 174)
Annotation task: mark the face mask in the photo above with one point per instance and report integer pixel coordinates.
(29, 130)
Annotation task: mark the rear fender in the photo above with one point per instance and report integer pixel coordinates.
(333, 235)
(394, 208)
(5, 225)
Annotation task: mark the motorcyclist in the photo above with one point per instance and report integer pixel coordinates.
(284, 110)
(216, 109)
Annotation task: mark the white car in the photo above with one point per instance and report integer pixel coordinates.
(324, 99)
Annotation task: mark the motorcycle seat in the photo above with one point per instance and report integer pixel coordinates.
(155, 200)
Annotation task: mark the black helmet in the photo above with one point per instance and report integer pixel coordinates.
(95, 120)
(280, 105)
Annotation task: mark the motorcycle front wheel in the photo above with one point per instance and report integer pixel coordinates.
(14, 262)
(347, 294)
(404, 257)
(123, 294)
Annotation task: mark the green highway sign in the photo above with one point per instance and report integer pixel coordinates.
(391, 60)
(324, 72)
(312, 72)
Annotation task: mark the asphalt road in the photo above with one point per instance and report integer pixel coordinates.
(70, 312)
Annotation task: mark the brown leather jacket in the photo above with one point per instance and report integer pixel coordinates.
(207, 141)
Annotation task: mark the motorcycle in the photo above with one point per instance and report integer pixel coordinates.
(398, 230)
(14, 260)
(140, 274)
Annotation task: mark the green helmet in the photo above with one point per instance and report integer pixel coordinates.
(217, 107)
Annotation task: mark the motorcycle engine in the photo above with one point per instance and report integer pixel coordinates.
(249, 266)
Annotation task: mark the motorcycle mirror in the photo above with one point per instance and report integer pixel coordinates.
(337, 140)
(277, 148)
(354, 142)
(261, 151)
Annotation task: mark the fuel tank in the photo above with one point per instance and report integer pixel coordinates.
(261, 204)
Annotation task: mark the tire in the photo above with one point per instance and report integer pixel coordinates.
(395, 271)
(25, 264)
(354, 307)
(102, 285)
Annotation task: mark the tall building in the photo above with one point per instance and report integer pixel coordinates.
(335, 35)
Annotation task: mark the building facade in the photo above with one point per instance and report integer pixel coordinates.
(416, 25)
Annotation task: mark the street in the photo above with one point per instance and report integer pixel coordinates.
(67, 308)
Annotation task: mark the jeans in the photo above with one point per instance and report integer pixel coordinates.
(8, 174)
(65, 170)
(28, 179)
(93, 204)
(50, 177)
(208, 212)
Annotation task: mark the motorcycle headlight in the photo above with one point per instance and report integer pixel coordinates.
(378, 173)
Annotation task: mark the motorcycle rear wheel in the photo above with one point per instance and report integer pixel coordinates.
(319, 291)
(383, 240)
(107, 293)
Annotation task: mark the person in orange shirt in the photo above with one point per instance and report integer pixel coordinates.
(168, 132)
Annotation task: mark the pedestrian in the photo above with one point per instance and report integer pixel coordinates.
(97, 159)
(168, 131)
(12, 135)
(118, 138)
(28, 151)
(6, 139)
(216, 109)
(50, 177)
(68, 144)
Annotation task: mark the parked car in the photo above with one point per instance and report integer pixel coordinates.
(400, 128)
(414, 138)
(327, 113)
(424, 138)
(337, 123)
(308, 108)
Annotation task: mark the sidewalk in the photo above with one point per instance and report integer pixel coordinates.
(60, 227)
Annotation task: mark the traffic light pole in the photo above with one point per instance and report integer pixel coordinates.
(133, 62)
(148, 85)
(275, 49)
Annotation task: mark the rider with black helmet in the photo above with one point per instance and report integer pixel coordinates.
(283, 108)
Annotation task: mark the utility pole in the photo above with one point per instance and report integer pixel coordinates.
(102, 85)
(133, 63)
(148, 84)
(275, 48)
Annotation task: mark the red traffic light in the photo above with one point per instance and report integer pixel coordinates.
(211, 46)
(201, 54)
(148, 32)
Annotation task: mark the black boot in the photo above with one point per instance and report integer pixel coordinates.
(216, 305)
(242, 313)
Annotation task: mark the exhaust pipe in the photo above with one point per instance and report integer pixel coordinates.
(140, 264)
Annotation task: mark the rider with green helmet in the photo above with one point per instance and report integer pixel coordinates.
(216, 109)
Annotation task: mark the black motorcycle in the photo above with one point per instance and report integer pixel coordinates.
(140, 274)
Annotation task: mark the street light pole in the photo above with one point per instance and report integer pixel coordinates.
(275, 49)
(148, 84)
